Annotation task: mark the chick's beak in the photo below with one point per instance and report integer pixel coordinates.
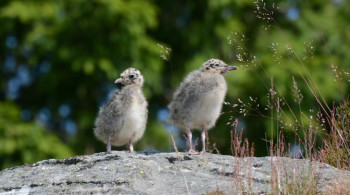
(228, 68)
(120, 80)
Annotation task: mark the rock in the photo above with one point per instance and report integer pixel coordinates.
(152, 172)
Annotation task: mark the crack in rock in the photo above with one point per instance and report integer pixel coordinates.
(108, 158)
(172, 160)
(115, 183)
(67, 161)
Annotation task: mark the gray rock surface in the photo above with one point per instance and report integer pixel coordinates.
(150, 172)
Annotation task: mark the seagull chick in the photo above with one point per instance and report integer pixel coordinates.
(198, 100)
(123, 119)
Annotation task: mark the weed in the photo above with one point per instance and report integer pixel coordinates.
(331, 125)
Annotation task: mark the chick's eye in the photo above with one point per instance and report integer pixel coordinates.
(216, 64)
(131, 76)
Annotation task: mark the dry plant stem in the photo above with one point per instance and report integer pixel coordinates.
(240, 149)
(277, 102)
(273, 84)
(314, 89)
(175, 148)
(174, 144)
(303, 65)
(314, 93)
(284, 100)
(170, 144)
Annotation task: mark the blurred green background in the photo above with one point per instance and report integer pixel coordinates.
(59, 59)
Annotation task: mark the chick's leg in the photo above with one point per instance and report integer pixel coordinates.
(131, 147)
(203, 141)
(109, 145)
(189, 142)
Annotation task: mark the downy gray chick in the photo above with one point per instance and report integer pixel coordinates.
(198, 100)
(123, 119)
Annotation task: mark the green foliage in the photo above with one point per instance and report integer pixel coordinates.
(26, 142)
(88, 44)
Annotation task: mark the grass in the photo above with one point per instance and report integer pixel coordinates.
(286, 177)
(330, 124)
(339, 187)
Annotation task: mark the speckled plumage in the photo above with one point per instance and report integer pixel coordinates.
(198, 100)
(123, 119)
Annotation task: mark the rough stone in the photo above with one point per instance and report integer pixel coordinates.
(151, 172)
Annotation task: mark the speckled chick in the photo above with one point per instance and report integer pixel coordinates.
(198, 100)
(123, 119)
